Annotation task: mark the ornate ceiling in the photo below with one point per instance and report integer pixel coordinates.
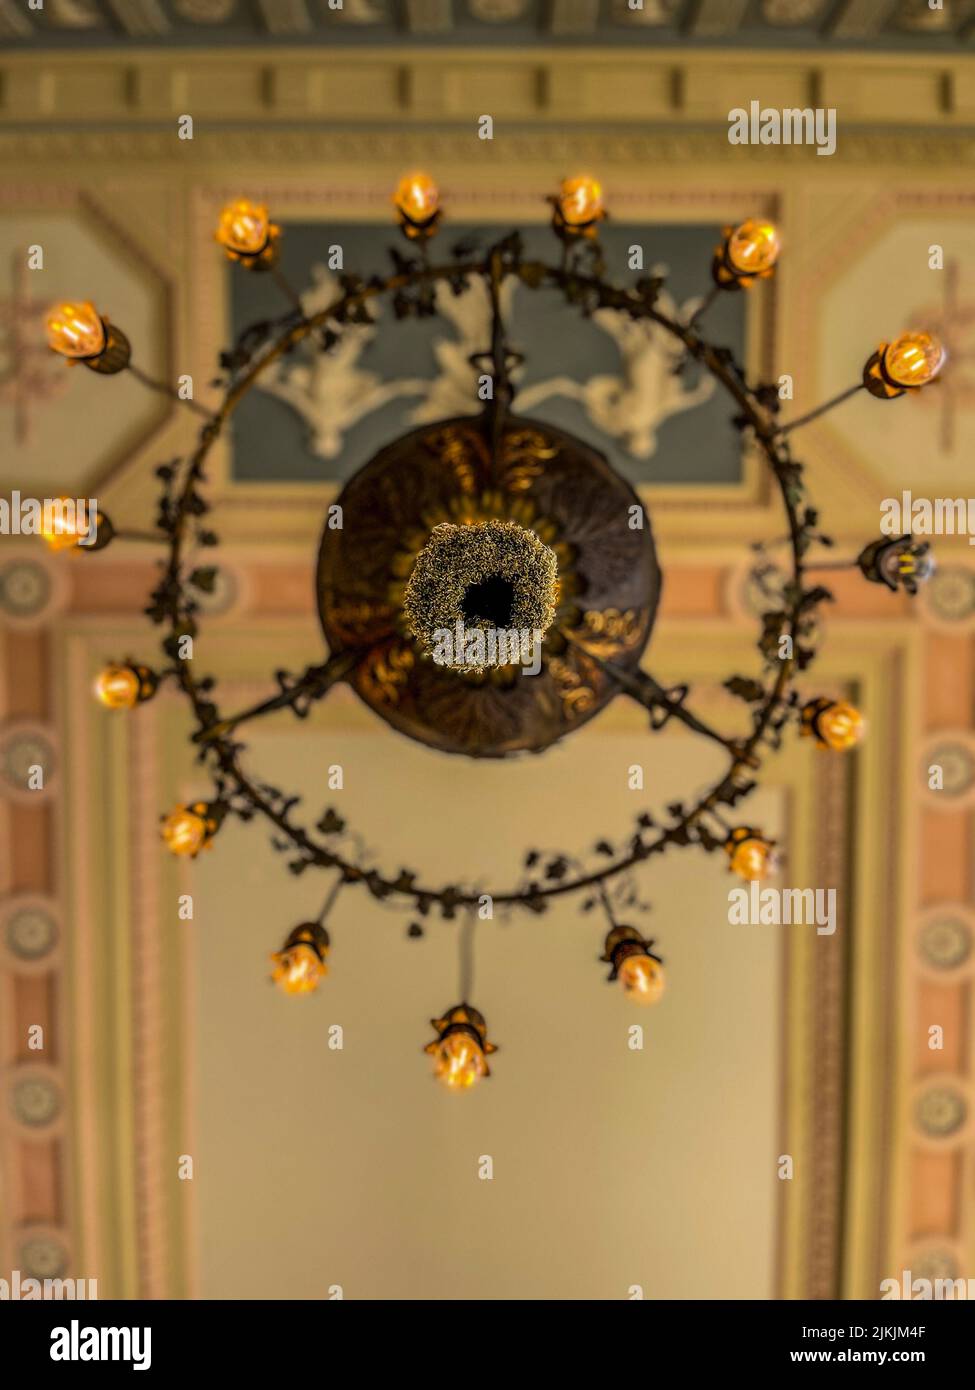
(891, 24)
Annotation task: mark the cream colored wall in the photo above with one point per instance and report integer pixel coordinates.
(612, 1167)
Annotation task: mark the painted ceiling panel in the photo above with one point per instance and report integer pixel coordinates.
(620, 388)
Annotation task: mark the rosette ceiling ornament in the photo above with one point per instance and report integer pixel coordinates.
(492, 585)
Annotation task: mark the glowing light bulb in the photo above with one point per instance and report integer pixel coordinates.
(580, 201)
(75, 330)
(417, 198)
(299, 969)
(67, 525)
(914, 359)
(459, 1062)
(60, 526)
(642, 978)
(185, 830)
(750, 855)
(244, 228)
(753, 248)
(118, 687)
(839, 726)
(461, 1048)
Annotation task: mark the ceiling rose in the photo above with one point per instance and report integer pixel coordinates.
(546, 488)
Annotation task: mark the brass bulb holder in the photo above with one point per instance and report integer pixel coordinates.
(570, 232)
(419, 231)
(881, 386)
(113, 358)
(311, 934)
(812, 711)
(104, 533)
(898, 562)
(724, 275)
(213, 812)
(623, 941)
(465, 1019)
(148, 681)
(265, 259)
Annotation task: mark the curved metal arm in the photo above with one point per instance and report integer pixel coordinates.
(648, 692)
(312, 686)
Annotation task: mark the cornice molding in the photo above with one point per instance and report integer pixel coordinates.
(946, 148)
(674, 88)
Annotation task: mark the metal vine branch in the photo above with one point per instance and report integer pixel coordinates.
(214, 731)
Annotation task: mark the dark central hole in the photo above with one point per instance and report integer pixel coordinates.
(489, 601)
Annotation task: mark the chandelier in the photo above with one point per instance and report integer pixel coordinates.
(487, 584)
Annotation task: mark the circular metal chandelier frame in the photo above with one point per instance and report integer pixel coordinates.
(773, 700)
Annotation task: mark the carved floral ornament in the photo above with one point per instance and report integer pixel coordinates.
(475, 524)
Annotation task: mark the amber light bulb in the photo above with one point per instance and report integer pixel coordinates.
(417, 198)
(75, 330)
(185, 831)
(753, 247)
(244, 228)
(299, 969)
(835, 724)
(914, 359)
(642, 978)
(459, 1062)
(461, 1048)
(118, 687)
(123, 685)
(60, 529)
(580, 200)
(750, 855)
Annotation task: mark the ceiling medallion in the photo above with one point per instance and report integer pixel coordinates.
(397, 572)
(487, 584)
